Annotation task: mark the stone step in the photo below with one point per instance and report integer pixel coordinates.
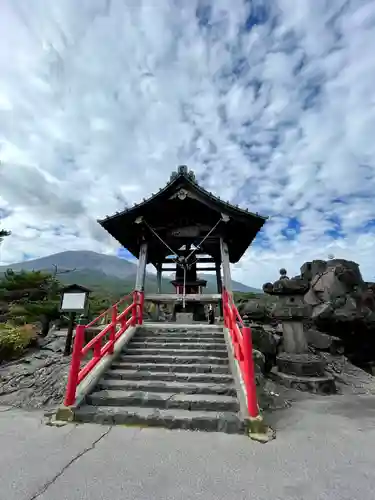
(208, 346)
(164, 400)
(228, 422)
(171, 359)
(190, 335)
(227, 389)
(177, 327)
(142, 374)
(171, 367)
(178, 339)
(153, 352)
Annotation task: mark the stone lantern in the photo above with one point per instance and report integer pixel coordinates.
(295, 366)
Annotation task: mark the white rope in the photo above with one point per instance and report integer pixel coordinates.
(160, 238)
(184, 263)
(204, 239)
(175, 260)
(184, 290)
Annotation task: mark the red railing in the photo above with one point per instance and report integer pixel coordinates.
(243, 350)
(99, 346)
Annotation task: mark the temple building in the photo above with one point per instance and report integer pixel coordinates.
(177, 372)
(188, 226)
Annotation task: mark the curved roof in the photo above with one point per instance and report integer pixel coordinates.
(183, 203)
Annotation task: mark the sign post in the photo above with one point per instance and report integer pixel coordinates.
(74, 299)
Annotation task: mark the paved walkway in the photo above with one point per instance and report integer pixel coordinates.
(325, 449)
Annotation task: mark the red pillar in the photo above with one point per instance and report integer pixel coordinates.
(75, 366)
(249, 372)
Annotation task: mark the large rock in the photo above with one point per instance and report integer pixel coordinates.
(259, 361)
(259, 367)
(37, 380)
(337, 292)
(343, 305)
(254, 310)
(320, 340)
(264, 340)
(350, 379)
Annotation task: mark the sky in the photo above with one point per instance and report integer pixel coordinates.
(271, 103)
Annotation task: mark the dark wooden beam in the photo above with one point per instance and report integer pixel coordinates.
(213, 269)
(206, 260)
(172, 297)
(203, 260)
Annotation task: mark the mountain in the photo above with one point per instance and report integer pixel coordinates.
(240, 287)
(107, 264)
(236, 285)
(106, 272)
(93, 270)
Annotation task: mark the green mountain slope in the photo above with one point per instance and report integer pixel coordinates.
(107, 273)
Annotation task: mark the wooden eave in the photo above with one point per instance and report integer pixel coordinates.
(121, 224)
(172, 185)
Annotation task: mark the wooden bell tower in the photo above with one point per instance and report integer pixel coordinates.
(185, 225)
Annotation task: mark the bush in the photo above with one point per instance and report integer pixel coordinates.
(32, 312)
(15, 339)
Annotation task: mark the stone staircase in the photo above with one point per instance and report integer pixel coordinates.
(168, 377)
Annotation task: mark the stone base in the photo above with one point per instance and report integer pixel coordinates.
(197, 309)
(324, 384)
(64, 414)
(258, 430)
(184, 318)
(300, 365)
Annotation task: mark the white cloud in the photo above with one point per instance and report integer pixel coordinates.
(100, 100)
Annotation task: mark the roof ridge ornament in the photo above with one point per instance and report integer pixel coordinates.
(183, 170)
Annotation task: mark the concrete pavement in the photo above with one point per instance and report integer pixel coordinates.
(325, 449)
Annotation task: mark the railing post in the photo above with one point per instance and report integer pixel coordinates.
(249, 372)
(75, 364)
(123, 320)
(97, 349)
(112, 335)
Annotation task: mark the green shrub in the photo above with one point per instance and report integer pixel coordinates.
(16, 311)
(15, 339)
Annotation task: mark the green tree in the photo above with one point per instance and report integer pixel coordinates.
(31, 294)
(3, 234)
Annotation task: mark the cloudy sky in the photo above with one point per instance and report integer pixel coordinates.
(272, 103)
